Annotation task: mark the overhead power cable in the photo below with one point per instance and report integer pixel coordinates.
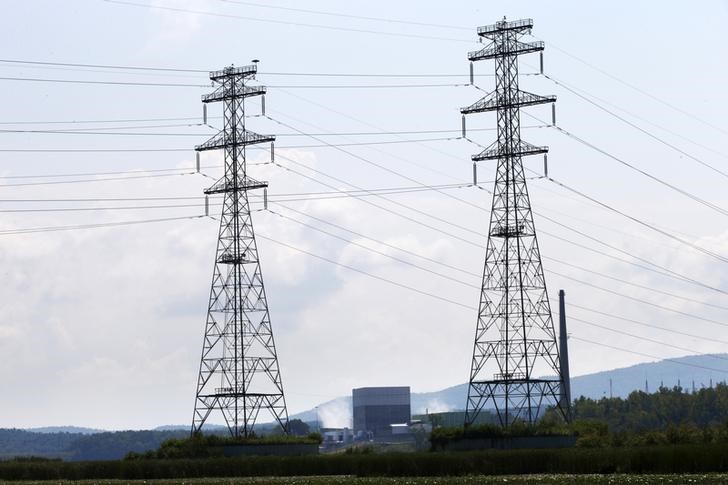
(648, 121)
(7, 232)
(639, 337)
(642, 301)
(108, 83)
(379, 241)
(102, 66)
(284, 22)
(107, 208)
(366, 86)
(690, 315)
(381, 253)
(694, 197)
(383, 208)
(623, 295)
(554, 272)
(644, 92)
(263, 73)
(127, 120)
(541, 215)
(682, 277)
(371, 275)
(642, 223)
(643, 354)
(670, 272)
(636, 127)
(636, 285)
(344, 15)
(91, 174)
(107, 179)
(622, 318)
(478, 207)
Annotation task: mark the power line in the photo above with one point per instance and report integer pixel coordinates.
(371, 275)
(93, 226)
(70, 122)
(108, 83)
(648, 325)
(639, 337)
(642, 223)
(587, 283)
(283, 197)
(694, 197)
(102, 66)
(461, 200)
(601, 344)
(59, 182)
(636, 285)
(88, 174)
(636, 127)
(381, 253)
(264, 73)
(648, 121)
(367, 86)
(100, 128)
(368, 201)
(645, 302)
(378, 241)
(639, 90)
(682, 277)
(284, 22)
(670, 272)
(108, 208)
(350, 16)
(623, 295)
(91, 150)
(559, 274)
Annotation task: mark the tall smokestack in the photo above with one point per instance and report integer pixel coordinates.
(564, 357)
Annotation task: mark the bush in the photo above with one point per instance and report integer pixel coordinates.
(212, 446)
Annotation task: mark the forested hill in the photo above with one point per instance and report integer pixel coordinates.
(641, 411)
(77, 446)
(698, 370)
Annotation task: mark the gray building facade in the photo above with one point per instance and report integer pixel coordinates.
(377, 408)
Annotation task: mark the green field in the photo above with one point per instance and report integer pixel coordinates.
(470, 480)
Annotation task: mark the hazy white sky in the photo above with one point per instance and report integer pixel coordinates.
(103, 327)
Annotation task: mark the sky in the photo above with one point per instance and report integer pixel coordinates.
(102, 327)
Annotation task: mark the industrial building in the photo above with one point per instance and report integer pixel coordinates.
(376, 409)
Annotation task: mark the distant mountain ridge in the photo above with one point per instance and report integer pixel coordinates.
(78, 443)
(702, 370)
(65, 429)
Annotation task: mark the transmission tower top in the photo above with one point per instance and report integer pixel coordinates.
(522, 26)
(500, 31)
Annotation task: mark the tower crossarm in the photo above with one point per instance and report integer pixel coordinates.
(515, 48)
(241, 91)
(497, 100)
(229, 185)
(496, 151)
(521, 26)
(241, 138)
(238, 73)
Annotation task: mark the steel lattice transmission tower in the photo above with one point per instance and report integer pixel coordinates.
(239, 374)
(515, 342)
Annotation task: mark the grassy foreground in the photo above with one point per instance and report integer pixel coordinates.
(469, 480)
(674, 461)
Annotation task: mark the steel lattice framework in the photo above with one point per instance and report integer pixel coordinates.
(515, 341)
(239, 374)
